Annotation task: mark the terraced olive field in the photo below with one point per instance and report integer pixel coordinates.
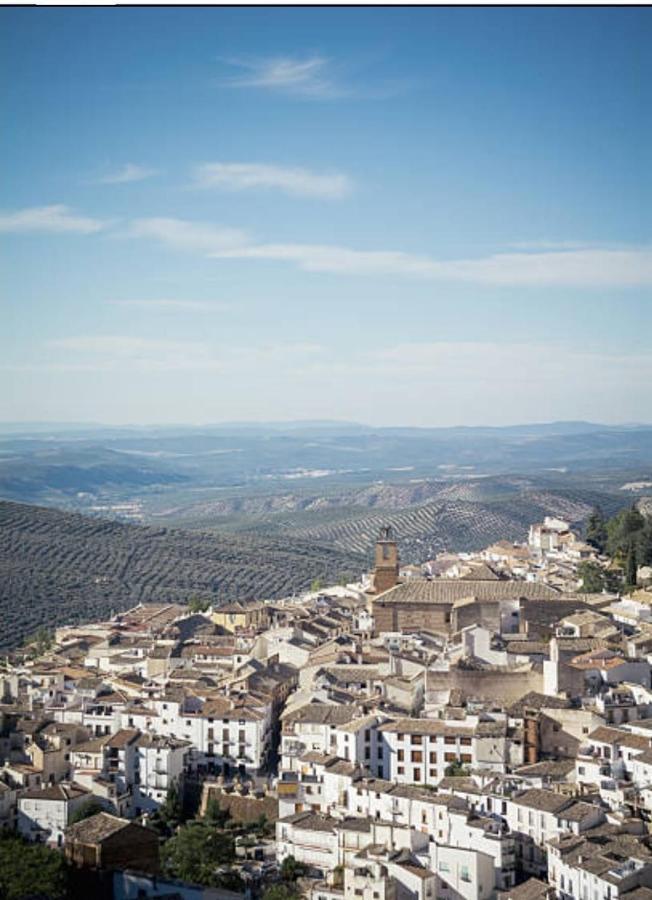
(59, 567)
(428, 516)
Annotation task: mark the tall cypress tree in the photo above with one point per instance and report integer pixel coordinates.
(630, 567)
(596, 530)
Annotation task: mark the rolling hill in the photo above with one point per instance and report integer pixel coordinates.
(60, 567)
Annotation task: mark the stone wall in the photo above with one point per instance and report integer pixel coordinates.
(502, 686)
(401, 615)
(241, 808)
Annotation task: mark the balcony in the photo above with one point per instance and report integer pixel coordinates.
(287, 789)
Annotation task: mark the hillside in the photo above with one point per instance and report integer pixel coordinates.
(428, 516)
(59, 567)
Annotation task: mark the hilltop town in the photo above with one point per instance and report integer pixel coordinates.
(476, 726)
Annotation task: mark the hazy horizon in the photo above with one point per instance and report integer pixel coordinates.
(303, 423)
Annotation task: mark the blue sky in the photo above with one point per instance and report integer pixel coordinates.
(424, 216)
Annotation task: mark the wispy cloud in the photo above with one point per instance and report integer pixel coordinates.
(120, 353)
(173, 305)
(296, 181)
(584, 267)
(128, 173)
(309, 77)
(56, 219)
(109, 352)
(203, 237)
(595, 267)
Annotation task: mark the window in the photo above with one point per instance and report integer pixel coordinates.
(417, 739)
(400, 755)
(417, 774)
(433, 757)
(465, 741)
(399, 737)
(400, 771)
(433, 773)
(465, 875)
(466, 757)
(450, 740)
(444, 867)
(450, 757)
(417, 756)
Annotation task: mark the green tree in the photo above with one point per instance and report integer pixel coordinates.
(167, 818)
(31, 870)
(631, 567)
(282, 891)
(214, 815)
(456, 769)
(195, 853)
(264, 828)
(90, 808)
(315, 585)
(591, 574)
(291, 869)
(42, 639)
(625, 528)
(197, 605)
(596, 530)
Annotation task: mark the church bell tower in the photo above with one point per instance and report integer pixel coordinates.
(386, 561)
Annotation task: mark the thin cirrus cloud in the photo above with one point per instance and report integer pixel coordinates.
(309, 77)
(128, 173)
(121, 352)
(582, 267)
(181, 234)
(172, 305)
(291, 180)
(117, 352)
(55, 219)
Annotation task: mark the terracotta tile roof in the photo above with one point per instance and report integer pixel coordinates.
(606, 735)
(58, 792)
(96, 828)
(122, 738)
(448, 590)
(542, 800)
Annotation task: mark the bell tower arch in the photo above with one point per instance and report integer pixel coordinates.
(386, 561)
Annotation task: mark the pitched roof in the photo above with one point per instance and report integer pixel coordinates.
(532, 889)
(58, 792)
(448, 590)
(545, 801)
(606, 735)
(97, 828)
(122, 738)
(322, 714)
(427, 726)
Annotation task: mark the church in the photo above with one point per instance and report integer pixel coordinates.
(443, 605)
